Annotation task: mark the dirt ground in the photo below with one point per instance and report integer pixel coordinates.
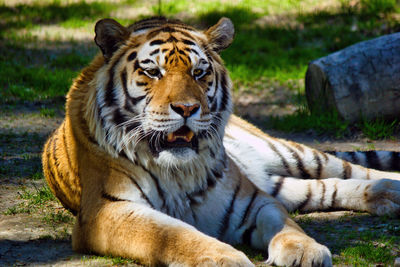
(26, 239)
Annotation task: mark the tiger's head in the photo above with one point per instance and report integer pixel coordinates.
(163, 89)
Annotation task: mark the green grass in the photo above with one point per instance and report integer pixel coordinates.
(328, 123)
(47, 112)
(39, 196)
(357, 239)
(378, 128)
(34, 200)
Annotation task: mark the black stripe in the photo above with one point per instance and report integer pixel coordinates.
(136, 100)
(188, 42)
(132, 56)
(147, 61)
(299, 163)
(111, 198)
(346, 170)
(181, 52)
(278, 186)
(156, 42)
(66, 151)
(183, 60)
(160, 191)
(283, 160)
(247, 211)
(333, 202)
(217, 173)
(373, 160)
(228, 213)
(133, 100)
(170, 30)
(202, 191)
(318, 171)
(136, 66)
(171, 39)
(172, 52)
(125, 90)
(118, 117)
(225, 93)
(323, 193)
(142, 194)
(210, 182)
(395, 161)
(133, 126)
(141, 83)
(194, 51)
(154, 52)
(109, 95)
(246, 237)
(214, 106)
(216, 84)
(306, 200)
(148, 100)
(52, 177)
(353, 156)
(167, 29)
(212, 153)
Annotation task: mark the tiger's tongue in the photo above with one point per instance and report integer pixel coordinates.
(182, 133)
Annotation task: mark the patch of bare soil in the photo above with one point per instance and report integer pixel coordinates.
(28, 238)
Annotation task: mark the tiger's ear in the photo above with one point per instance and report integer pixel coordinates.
(109, 36)
(220, 36)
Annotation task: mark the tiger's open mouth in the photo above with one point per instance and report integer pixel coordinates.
(181, 137)
(184, 137)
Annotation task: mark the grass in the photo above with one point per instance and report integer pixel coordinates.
(330, 123)
(302, 120)
(357, 239)
(40, 201)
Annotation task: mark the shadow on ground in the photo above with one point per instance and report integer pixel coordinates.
(35, 252)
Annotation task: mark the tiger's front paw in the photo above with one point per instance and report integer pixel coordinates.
(295, 249)
(383, 197)
(224, 256)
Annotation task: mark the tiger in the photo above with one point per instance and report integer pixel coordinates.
(155, 167)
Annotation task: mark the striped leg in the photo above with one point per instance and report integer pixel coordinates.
(375, 196)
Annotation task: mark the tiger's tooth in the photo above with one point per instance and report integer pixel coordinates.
(189, 136)
(171, 137)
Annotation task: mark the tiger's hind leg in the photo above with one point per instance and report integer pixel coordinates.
(258, 153)
(380, 197)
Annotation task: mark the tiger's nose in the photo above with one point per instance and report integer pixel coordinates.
(185, 110)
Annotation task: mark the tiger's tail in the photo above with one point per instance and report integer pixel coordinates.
(375, 159)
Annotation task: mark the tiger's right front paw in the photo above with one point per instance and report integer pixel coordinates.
(297, 249)
(225, 256)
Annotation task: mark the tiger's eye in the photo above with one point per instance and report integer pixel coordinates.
(153, 72)
(197, 72)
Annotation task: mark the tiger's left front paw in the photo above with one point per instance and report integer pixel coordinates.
(297, 249)
(383, 197)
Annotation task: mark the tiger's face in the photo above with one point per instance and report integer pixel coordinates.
(167, 90)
